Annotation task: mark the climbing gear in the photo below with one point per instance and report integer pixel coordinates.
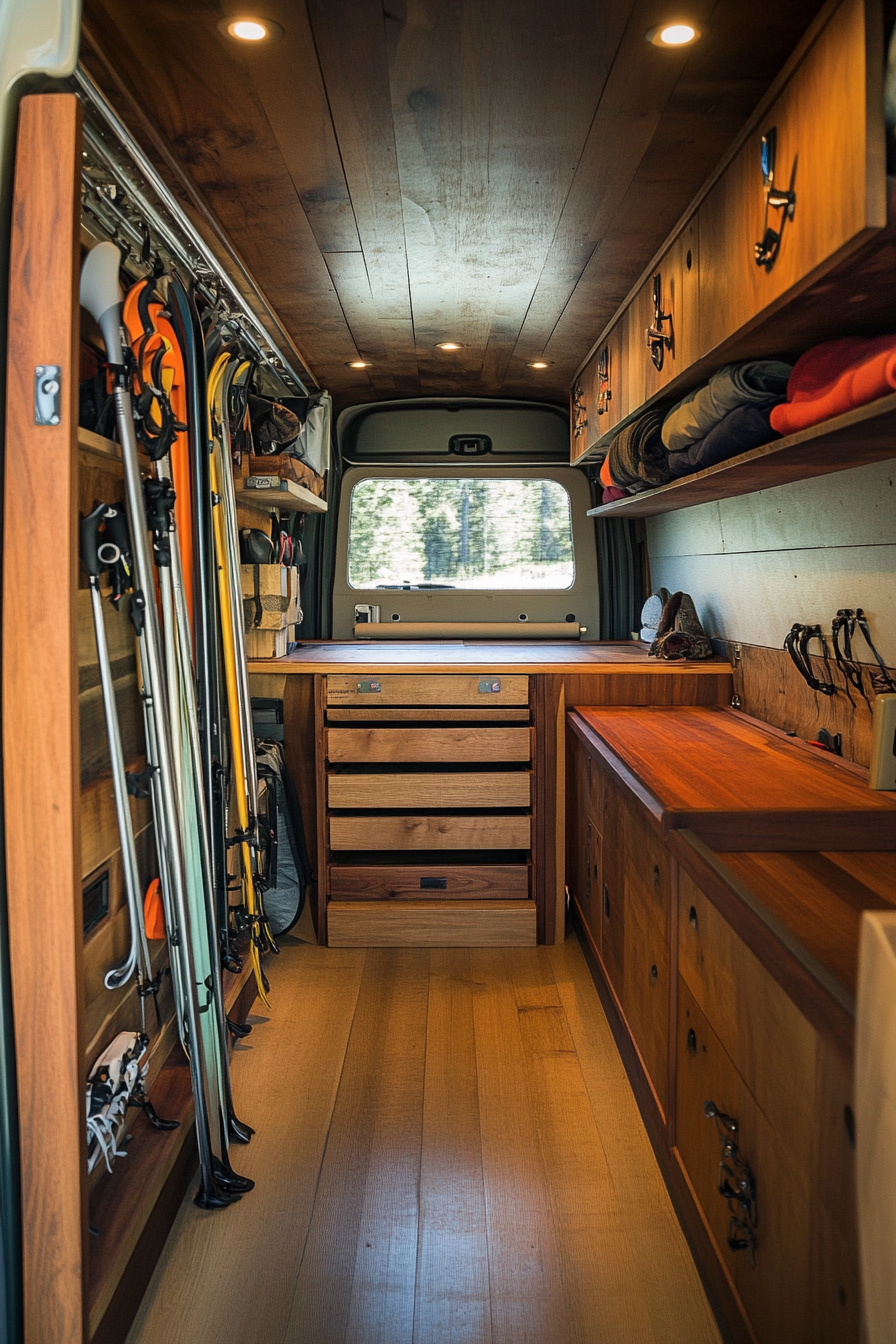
(797, 644)
(843, 628)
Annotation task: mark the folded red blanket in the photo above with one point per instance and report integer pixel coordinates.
(835, 377)
(612, 493)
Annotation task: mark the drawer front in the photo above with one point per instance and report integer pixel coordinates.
(383, 745)
(612, 889)
(430, 924)
(506, 788)
(482, 691)
(770, 1042)
(451, 882)
(645, 993)
(416, 832)
(776, 1293)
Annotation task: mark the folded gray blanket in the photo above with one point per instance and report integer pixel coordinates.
(756, 380)
(638, 458)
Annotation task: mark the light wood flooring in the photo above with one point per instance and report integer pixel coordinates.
(448, 1152)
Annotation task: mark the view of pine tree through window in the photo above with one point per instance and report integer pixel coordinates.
(461, 533)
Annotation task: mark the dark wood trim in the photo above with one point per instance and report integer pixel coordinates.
(716, 1283)
(41, 758)
(322, 869)
(615, 766)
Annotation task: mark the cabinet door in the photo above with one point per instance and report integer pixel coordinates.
(648, 894)
(835, 1257)
(583, 422)
(612, 894)
(828, 151)
(775, 1289)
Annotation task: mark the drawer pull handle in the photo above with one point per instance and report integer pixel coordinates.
(692, 1041)
(849, 1120)
(656, 875)
(736, 1184)
(692, 917)
(606, 902)
(654, 974)
(433, 884)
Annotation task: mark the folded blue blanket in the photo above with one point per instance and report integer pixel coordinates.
(745, 428)
(753, 382)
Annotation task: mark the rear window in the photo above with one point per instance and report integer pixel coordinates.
(460, 532)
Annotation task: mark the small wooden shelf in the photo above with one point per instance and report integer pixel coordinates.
(94, 445)
(861, 436)
(291, 497)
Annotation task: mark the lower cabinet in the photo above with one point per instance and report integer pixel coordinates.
(754, 1102)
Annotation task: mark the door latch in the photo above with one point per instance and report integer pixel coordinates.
(47, 394)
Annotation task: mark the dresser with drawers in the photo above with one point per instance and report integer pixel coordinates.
(428, 828)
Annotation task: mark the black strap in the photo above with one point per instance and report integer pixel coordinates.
(881, 681)
(797, 645)
(842, 630)
(258, 609)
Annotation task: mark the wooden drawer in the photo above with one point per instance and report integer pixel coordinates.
(428, 744)
(419, 832)
(645, 991)
(828, 124)
(776, 1293)
(476, 690)
(431, 924)
(452, 882)
(612, 889)
(505, 788)
(770, 1042)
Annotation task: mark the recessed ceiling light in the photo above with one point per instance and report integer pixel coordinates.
(357, 363)
(678, 34)
(251, 29)
(449, 345)
(539, 363)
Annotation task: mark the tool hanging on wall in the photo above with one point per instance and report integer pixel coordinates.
(797, 644)
(101, 296)
(96, 554)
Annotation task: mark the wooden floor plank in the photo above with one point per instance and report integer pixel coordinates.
(599, 1259)
(448, 1152)
(229, 1274)
(528, 1304)
(452, 1304)
(360, 1253)
(667, 1279)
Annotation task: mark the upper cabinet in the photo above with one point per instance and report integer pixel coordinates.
(801, 190)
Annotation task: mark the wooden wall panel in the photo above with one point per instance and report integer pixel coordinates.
(40, 720)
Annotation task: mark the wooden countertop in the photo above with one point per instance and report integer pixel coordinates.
(801, 914)
(736, 783)
(435, 657)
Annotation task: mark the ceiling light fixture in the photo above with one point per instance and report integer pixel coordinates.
(449, 345)
(246, 29)
(357, 363)
(678, 34)
(539, 363)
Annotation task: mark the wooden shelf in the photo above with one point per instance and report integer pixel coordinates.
(867, 434)
(291, 497)
(94, 445)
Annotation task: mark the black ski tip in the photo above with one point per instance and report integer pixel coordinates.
(230, 1181)
(239, 1028)
(238, 1131)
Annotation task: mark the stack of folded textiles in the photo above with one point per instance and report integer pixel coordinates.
(836, 377)
(637, 459)
(729, 415)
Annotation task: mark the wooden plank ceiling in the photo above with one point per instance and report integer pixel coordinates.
(396, 173)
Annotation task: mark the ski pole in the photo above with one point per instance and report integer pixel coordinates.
(96, 554)
(101, 296)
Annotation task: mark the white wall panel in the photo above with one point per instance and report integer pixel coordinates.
(756, 564)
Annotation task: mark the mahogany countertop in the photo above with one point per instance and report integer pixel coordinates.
(447, 657)
(736, 783)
